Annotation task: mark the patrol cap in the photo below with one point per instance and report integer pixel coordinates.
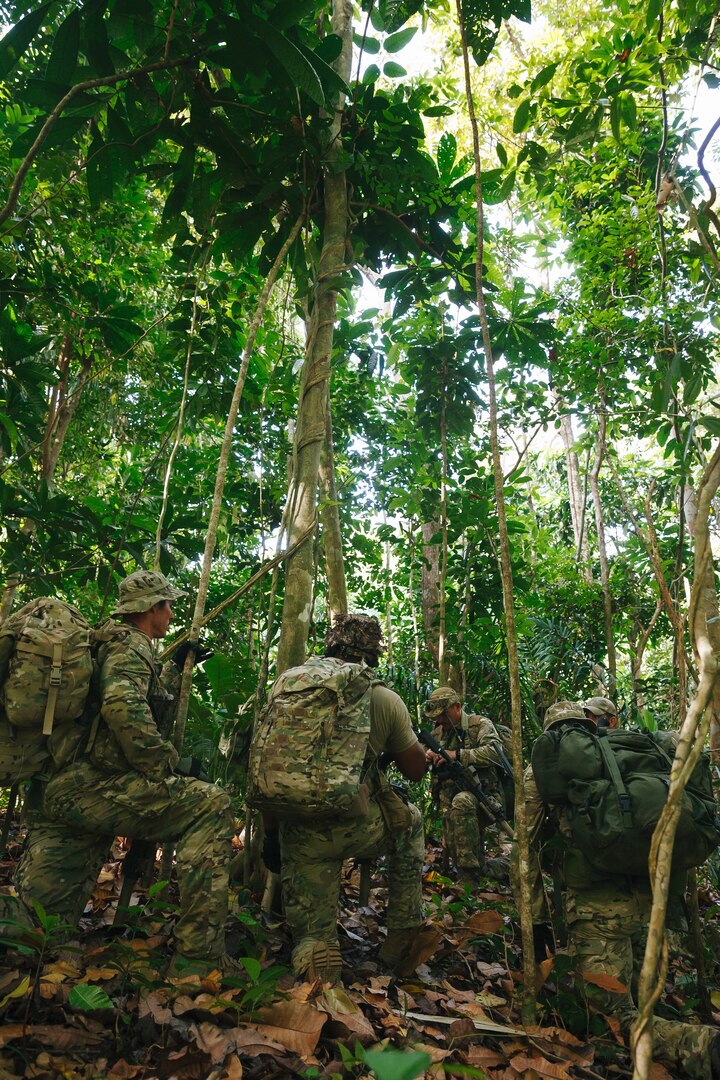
(441, 699)
(564, 710)
(600, 706)
(361, 633)
(142, 590)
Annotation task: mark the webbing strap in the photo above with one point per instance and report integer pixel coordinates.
(55, 680)
(622, 792)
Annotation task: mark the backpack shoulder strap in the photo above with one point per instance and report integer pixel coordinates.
(618, 783)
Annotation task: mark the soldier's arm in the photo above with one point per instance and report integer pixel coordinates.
(398, 736)
(124, 684)
(482, 746)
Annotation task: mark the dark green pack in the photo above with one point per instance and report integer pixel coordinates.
(613, 786)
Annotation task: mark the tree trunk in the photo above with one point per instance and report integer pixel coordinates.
(415, 621)
(330, 521)
(312, 405)
(710, 601)
(602, 550)
(443, 665)
(575, 490)
(62, 407)
(524, 907)
(705, 637)
(430, 589)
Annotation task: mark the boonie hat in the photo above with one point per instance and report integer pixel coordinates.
(362, 633)
(142, 590)
(564, 710)
(600, 706)
(441, 699)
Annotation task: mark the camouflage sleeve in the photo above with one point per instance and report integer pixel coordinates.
(482, 744)
(124, 688)
(535, 811)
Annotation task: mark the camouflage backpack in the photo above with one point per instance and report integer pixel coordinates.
(46, 666)
(309, 746)
(613, 786)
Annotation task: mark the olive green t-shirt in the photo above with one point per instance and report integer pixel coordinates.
(390, 724)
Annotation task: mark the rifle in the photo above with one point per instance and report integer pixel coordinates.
(464, 776)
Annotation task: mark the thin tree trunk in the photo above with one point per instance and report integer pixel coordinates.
(443, 666)
(637, 653)
(594, 478)
(330, 521)
(13, 580)
(577, 501)
(710, 600)
(706, 644)
(62, 408)
(524, 906)
(430, 589)
(387, 567)
(415, 624)
(311, 421)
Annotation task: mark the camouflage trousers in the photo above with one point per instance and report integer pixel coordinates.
(84, 809)
(462, 832)
(312, 858)
(607, 930)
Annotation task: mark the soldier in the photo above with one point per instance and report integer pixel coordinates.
(602, 711)
(312, 854)
(475, 743)
(123, 781)
(607, 918)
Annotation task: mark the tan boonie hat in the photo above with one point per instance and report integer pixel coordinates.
(600, 706)
(440, 700)
(142, 590)
(564, 710)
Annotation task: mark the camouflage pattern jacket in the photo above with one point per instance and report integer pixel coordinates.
(478, 746)
(137, 705)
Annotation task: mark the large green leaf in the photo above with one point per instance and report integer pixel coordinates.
(63, 58)
(395, 13)
(88, 998)
(16, 41)
(301, 72)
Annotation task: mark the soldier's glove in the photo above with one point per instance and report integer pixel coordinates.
(271, 851)
(543, 940)
(192, 766)
(200, 652)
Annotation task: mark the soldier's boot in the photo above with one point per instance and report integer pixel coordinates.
(402, 948)
(324, 962)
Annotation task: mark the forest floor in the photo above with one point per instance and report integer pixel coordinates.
(100, 1006)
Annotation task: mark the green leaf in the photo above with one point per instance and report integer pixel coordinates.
(63, 58)
(710, 423)
(615, 118)
(329, 48)
(393, 70)
(86, 997)
(371, 74)
(252, 966)
(367, 44)
(438, 110)
(16, 41)
(397, 1064)
(543, 77)
(521, 120)
(628, 110)
(395, 13)
(297, 66)
(501, 153)
(396, 42)
(447, 152)
(653, 11)
(175, 202)
(711, 80)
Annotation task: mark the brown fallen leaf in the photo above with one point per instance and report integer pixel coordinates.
(155, 1005)
(483, 1057)
(233, 1069)
(59, 1036)
(605, 982)
(659, 1072)
(347, 1017)
(294, 1024)
(100, 974)
(121, 1070)
(217, 1042)
(521, 1064)
(543, 972)
(486, 922)
(425, 944)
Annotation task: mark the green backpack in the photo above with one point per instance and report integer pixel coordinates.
(309, 745)
(613, 786)
(46, 666)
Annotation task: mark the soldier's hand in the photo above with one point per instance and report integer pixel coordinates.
(200, 652)
(271, 852)
(543, 940)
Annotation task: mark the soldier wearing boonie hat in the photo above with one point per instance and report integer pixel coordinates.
(142, 590)
(125, 781)
(602, 710)
(474, 742)
(562, 711)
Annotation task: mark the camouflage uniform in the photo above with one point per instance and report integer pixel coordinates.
(607, 918)
(478, 746)
(122, 782)
(312, 855)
